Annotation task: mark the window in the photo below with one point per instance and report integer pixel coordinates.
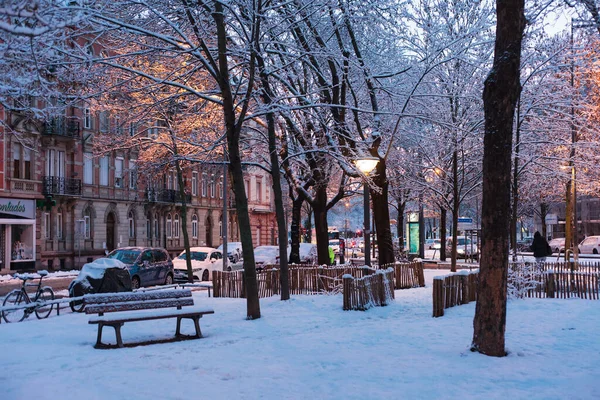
(220, 189)
(213, 185)
(169, 181)
(195, 226)
(194, 183)
(104, 122)
(132, 129)
(131, 220)
(59, 225)
(55, 163)
(247, 187)
(258, 191)
(119, 172)
(258, 236)
(87, 118)
(104, 171)
(47, 227)
(118, 126)
(156, 226)
(221, 226)
(26, 163)
(176, 226)
(132, 175)
(88, 226)
(149, 226)
(16, 150)
(88, 169)
(169, 225)
(204, 184)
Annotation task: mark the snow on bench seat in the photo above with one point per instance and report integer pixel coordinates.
(148, 315)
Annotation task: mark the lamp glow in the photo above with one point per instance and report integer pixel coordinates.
(366, 164)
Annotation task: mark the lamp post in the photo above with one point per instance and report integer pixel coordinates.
(347, 204)
(366, 165)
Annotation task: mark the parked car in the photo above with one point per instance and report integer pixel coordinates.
(265, 255)
(147, 265)
(308, 253)
(204, 261)
(465, 248)
(433, 243)
(524, 244)
(557, 245)
(234, 251)
(590, 245)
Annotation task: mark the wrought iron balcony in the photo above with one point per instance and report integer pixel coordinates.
(62, 126)
(166, 196)
(53, 185)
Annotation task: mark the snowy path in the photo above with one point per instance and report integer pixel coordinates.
(310, 348)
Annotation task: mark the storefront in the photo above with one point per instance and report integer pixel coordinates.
(17, 234)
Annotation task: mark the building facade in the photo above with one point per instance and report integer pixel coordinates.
(62, 204)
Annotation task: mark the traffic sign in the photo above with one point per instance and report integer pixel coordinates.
(551, 219)
(464, 223)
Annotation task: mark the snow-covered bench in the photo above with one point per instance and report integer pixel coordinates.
(133, 306)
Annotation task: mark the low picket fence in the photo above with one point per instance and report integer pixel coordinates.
(532, 280)
(452, 290)
(310, 279)
(376, 289)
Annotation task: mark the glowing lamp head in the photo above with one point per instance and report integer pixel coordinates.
(366, 164)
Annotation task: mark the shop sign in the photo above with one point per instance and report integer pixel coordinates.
(18, 207)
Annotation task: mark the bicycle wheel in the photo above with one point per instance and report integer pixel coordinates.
(44, 310)
(15, 298)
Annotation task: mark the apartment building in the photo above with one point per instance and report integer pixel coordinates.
(62, 204)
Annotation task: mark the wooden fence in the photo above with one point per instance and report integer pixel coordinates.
(543, 280)
(369, 291)
(452, 290)
(310, 279)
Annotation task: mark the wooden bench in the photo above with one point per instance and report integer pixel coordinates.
(141, 302)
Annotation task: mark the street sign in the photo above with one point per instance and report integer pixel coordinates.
(464, 223)
(551, 219)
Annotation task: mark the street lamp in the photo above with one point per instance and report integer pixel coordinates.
(366, 165)
(347, 204)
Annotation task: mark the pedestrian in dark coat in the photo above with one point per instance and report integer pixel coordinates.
(540, 247)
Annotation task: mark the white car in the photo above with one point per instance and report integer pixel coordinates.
(204, 261)
(234, 251)
(265, 255)
(557, 245)
(590, 245)
(464, 248)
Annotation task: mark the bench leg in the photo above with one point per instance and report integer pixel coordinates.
(196, 320)
(117, 327)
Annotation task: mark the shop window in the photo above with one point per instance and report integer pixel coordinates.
(22, 242)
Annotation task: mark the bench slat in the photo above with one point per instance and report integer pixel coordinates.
(102, 298)
(150, 315)
(132, 305)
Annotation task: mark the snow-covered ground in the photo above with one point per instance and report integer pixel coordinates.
(308, 348)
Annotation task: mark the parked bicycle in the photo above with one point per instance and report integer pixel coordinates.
(19, 298)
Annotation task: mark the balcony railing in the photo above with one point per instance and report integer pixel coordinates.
(166, 196)
(62, 127)
(53, 185)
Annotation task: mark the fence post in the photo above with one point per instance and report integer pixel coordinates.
(421, 274)
(438, 297)
(464, 286)
(550, 285)
(347, 288)
(215, 282)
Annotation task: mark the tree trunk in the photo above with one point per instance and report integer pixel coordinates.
(443, 216)
(233, 130)
(515, 188)
(321, 230)
(186, 237)
(501, 91)
(400, 226)
(267, 96)
(455, 209)
(543, 213)
(381, 215)
(295, 229)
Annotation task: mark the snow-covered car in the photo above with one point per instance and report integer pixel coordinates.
(308, 253)
(433, 244)
(557, 245)
(465, 248)
(146, 265)
(204, 261)
(590, 245)
(234, 251)
(265, 255)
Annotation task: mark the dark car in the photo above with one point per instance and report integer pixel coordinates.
(147, 266)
